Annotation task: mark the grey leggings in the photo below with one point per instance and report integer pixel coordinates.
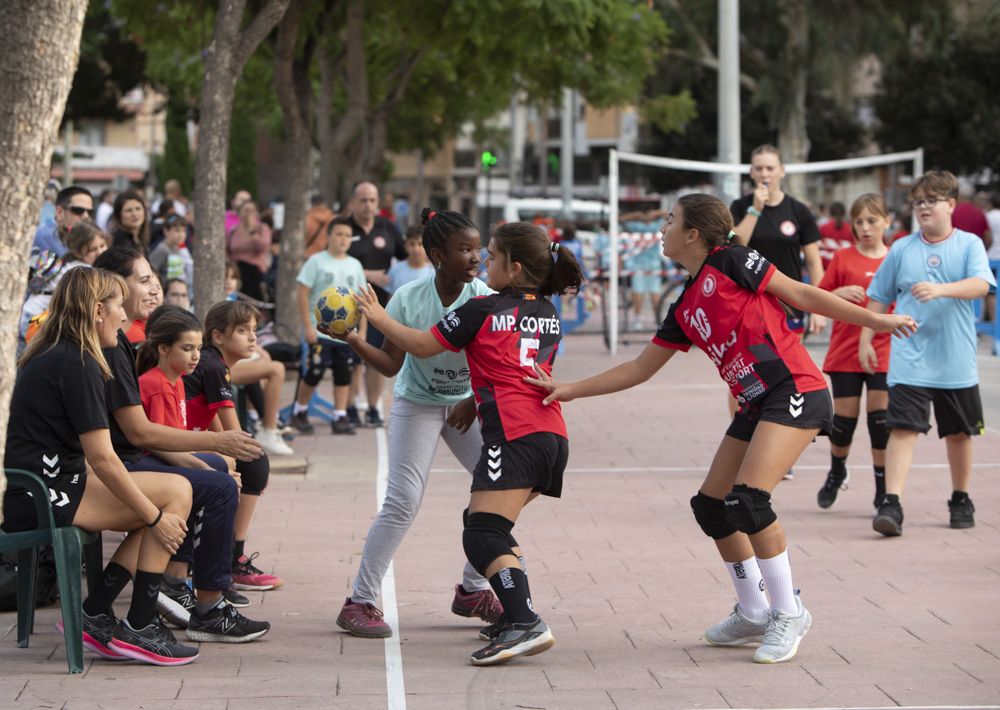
(414, 432)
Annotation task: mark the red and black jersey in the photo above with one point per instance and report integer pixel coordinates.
(504, 335)
(207, 389)
(726, 312)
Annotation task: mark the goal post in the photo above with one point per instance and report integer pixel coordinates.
(615, 158)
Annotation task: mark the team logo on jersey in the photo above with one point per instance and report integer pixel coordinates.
(788, 228)
(451, 321)
(934, 261)
(700, 323)
(50, 465)
(708, 285)
(379, 242)
(795, 404)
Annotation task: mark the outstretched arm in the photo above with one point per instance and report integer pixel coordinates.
(619, 378)
(420, 343)
(815, 300)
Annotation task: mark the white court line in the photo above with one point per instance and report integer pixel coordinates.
(700, 469)
(393, 653)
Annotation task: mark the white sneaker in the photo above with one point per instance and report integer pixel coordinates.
(272, 442)
(736, 630)
(783, 634)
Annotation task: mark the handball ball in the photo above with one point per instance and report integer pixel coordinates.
(337, 310)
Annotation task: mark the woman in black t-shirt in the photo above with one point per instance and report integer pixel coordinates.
(59, 430)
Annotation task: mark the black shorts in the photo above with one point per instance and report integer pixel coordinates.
(65, 494)
(849, 384)
(340, 359)
(536, 461)
(784, 405)
(956, 411)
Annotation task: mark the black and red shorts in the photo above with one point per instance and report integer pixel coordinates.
(784, 405)
(536, 461)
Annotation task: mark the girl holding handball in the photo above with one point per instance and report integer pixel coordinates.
(730, 308)
(432, 401)
(848, 276)
(505, 335)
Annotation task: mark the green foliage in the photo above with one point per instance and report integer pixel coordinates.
(177, 162)
(241, 172)
(670, 113)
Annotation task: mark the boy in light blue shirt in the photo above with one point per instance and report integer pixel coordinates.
(416, 266)
(933, 275)
(332, 267)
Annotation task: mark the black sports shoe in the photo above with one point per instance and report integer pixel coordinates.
(224, 624)
(302, 424)
(97, 631)
(154, 644)
(373, 419)
(175, 602)
(235, 598)
(491, 632)
(836, 481)
(515, 640)
(341, 425)
(962, 512)
(353, 417)
(889, 519)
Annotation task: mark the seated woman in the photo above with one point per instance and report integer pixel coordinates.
(59, 429)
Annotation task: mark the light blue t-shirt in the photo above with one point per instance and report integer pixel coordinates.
(322, 271)
(442, 379)
(402, 273)
(942, 353)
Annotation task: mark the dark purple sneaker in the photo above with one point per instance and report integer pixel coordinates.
(363, 620)
(482, 604)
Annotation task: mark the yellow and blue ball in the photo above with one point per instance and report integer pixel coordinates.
(337, 310)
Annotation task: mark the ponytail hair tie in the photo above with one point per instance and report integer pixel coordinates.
(431, 215)
(731, 236)
(554, 247)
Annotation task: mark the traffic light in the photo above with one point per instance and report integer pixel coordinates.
(487, 161)
(553, 161)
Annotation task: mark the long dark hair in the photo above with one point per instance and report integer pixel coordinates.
(127, 196)
(545, 265)
(226, 315)
(164, 327)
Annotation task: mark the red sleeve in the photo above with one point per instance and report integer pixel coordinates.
(444, 341)
(156, 409)
(831, 277)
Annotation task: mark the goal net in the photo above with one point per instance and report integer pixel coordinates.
(731, 172)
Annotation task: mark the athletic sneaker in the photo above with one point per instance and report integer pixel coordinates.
(224, 624)
(302, 424)
(97, 631)
(889, 518)
(353, 417)
(154, 644)
(962, 513)
(363, 620)
(271, 441)
(491, 632)
(836, 481)
(175, 602)
(249, 577)
(783, 634)
(235, 598)
(373, 419)
(736, 630)
(515, 640)
(789, 475)
(482, 603)
(341, 425)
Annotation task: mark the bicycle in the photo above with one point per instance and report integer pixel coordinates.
(674, 278)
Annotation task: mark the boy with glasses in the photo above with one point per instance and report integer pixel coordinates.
(73, 204)
(933, 275)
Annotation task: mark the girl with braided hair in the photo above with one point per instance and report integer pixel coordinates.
(432, 401)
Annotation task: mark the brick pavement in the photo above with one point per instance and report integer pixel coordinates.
(618, 569)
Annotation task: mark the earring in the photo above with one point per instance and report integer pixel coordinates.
(100, 320)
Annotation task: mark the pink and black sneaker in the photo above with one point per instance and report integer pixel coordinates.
(481, 603)
(363, 620)
(97, 632)
(153, 644)
(248, 577)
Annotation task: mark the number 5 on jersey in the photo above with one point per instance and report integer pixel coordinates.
(529, 350)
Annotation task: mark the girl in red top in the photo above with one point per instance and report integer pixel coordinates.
(172, 348)
(505, 335)
(848, 276)
(730, 308)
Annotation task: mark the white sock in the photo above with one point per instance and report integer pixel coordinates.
(299, 408)
(749, 588)
(777, 574)
(338, 413)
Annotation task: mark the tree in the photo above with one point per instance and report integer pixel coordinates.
(231, 46)
(40, 59)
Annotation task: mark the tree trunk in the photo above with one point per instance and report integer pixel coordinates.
(294, 90)
(228, 52)
(40, 60)
(793, 137)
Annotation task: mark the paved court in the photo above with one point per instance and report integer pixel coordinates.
(618, 569)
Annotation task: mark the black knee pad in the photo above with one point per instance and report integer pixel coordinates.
(878, 432)
(254, 475)
(485, 539)
(842, 430)
(749, 509)
(465, 523)
(710, 513)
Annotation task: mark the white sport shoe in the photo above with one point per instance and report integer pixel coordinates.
(736, 630)
(783, 634)
(272, 442)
